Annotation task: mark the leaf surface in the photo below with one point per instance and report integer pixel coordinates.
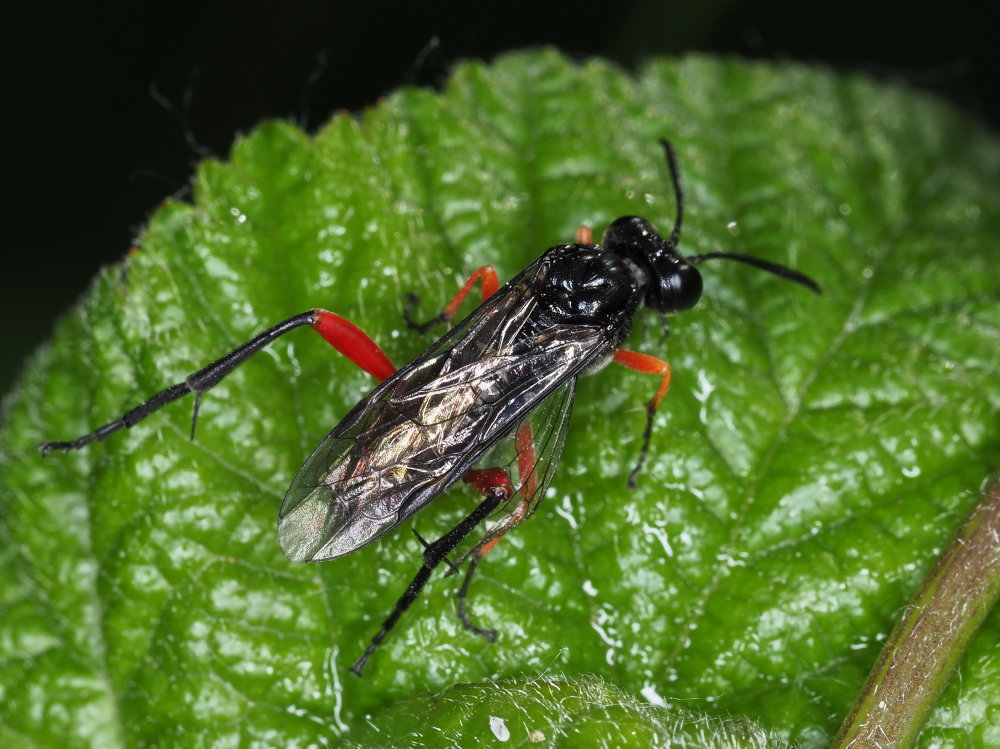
(813, 456)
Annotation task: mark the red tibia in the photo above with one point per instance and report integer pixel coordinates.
(584, 235)
(354, 343)
(647, 365)
(491, 282)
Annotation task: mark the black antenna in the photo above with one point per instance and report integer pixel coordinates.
(779, 270)
(675, 177)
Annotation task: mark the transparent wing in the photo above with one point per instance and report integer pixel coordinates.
(531, 457)
(420, 430)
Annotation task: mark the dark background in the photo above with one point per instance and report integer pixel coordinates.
(110, 110)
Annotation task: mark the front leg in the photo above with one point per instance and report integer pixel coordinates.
(490, 283)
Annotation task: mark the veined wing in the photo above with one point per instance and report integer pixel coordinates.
(531, 456)
(420, 430)
(405, 447)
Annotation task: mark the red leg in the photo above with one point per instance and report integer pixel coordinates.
(647, 365)
(490, 283)
(495, 486)
(484, 480)
(354, 343)
(584, 235)
(524, 444)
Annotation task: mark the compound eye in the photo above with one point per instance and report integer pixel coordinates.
(679, 288)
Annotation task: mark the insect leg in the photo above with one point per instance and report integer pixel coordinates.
(340, 333)
(434, 554)
(526, 461)
(584, 235)
(354, 343)
(488, 632)
(647, 365)
(490, 283)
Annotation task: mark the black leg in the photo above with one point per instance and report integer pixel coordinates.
(199, 383)
(647, 433)
(453, 568)
(412, 300)
(489, 634)
(434, 554)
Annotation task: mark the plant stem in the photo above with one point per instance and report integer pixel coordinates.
(921, 654)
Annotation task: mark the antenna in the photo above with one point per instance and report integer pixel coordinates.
(675, 177)
(779, 270)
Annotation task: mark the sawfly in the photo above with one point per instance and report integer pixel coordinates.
(488, 403)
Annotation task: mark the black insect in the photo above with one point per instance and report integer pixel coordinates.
(487, 403)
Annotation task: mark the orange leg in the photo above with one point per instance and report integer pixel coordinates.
(647, 365)
(490, 283)
(584, 235)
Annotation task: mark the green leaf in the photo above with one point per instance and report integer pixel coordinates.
(813, 457)
(553, 712)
